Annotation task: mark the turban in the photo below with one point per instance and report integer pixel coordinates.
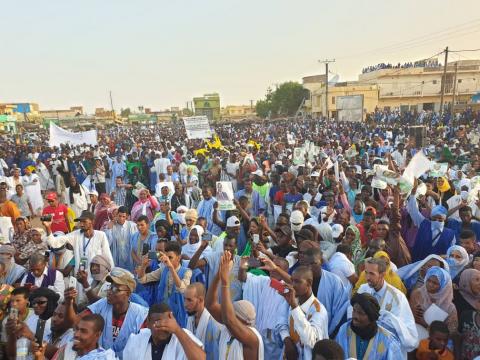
(7, 249)
(439, 210)
(368, 304)
(103, 261)
(245, 311)
(52, 301)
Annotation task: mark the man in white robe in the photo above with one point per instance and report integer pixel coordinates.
(200, 322)
(164, 338)
(118, 234)
(31, 184)
(395, 313)
(271, 307)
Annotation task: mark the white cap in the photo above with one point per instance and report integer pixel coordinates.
(296, 217)
(315, 174)
(258, 172)
(233, 221)
(93, 192)
(337, 230)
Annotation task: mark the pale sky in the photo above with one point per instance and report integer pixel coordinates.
(158, 53)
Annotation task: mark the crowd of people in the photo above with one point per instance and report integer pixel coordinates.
(422, 63)
(121, 250)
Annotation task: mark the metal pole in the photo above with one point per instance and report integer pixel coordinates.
(326, 62)
(454, 90)
(444, 76)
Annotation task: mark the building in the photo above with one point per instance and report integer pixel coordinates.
(419, 87)
(19, 108)
(104, 113)
(8, 124)
(317, 106)
(63, 114)
(208, 105)
(238, 112)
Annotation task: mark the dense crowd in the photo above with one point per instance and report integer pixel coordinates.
(330, 249)
(423, 63)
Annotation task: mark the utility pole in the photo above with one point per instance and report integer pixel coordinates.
(454, 90)
(444, 77)
(111, 104)
(251, 105)
(326, 62)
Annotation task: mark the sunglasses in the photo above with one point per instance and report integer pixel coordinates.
(39, 302)
(116, 290)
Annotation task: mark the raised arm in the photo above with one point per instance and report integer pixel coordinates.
(216, 219)
(238, 329)
(211, 300)
(412, 207)
(195, 262)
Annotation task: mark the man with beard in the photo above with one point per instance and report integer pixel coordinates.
(60, 333)
(362, 337)
(86, 241)
(122, 317)
(98, 287)
(164, 339)
(85, 344)
(200, 322)
(397, 316)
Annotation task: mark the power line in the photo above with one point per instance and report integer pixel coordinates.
(454, 31)
(466, 50)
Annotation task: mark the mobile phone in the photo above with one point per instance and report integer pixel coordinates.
(277, 285)
(176, 228)
(13, 314)
(254, 262)
(72, 282)
(152, 255)
(207, 237)
(40, 331)
(83, 264)
(256, 238)
(145, 249)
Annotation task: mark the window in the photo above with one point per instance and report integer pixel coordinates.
(459, 81)
(434, 82)
(333, 99)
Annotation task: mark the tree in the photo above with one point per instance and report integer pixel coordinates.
(284, 101)
(125, 112)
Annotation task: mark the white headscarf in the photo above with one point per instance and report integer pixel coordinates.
(190, 249)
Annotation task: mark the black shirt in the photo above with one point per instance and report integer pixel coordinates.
(157, 350)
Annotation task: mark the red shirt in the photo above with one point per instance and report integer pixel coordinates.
(116, 322)
(58, 217)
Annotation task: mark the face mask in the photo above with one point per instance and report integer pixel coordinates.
(437, 225)
(181, 218)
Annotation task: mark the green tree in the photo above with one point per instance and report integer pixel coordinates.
(125, 112)
(283, 101)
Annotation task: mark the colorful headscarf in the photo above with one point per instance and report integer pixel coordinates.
(445, 185)
(465, 287)
(444, 296)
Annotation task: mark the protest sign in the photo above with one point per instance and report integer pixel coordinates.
(290, 139)
(197, 127)
(224, 195)
(298, 156)
(438, 169)
(60, 136)
(418, 166)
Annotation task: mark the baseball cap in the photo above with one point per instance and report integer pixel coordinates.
(51, 196)
(121, 276)
(337, 230)
(233, 221)
(85, 215)
(258, 172)
(296, 220)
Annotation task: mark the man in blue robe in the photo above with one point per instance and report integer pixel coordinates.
(432, 236)
(362, 338)
(466, 223)
(329, 288)
(205, 209)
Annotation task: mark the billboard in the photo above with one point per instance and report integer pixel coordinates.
(349, 108)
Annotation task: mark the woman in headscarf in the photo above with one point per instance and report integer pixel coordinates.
(145, 205)
(446, 190)
(20, 236)
(467, 302)
(437, 290)
(327, 243)
(101, 211)
(35, 243)
(352, 238)
(390, 276)
(457, 259)
(413, 275)
(77, 197)
(194, 242)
